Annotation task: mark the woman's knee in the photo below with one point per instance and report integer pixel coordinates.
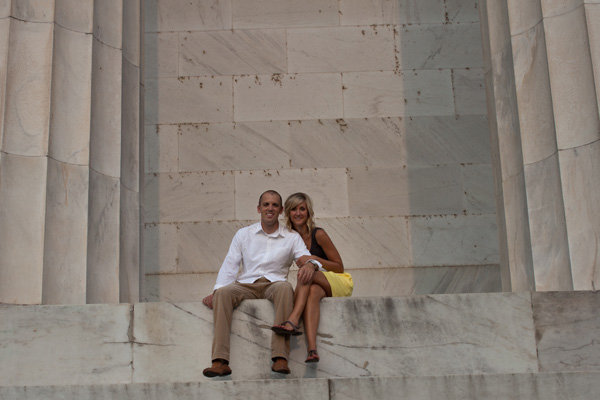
(316, 292)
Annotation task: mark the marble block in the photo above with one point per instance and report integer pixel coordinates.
(389, 94)
(66, 228)
(461, 11)
(75, 15)
(65, 345)
(581, 194)
(361, 48)
(284, 13)
(5, 8)
(553, 8)
(453, 240)
(283, 97)
(71, 97)
(328, 189)
(22, 212)
(181, 197)
(27, 107)
(161, 148)
(33, 10)
(103, 239)
(478, 185)
(235, 146)
(404, 191)
(129, 246)
(469, 91)
(440, 46)
(159, 249)
(523, 15)
(234, 52)
(130, 127)
(186, 15)
(132, 35)
(360, 12)
(4, 36)
(107, 80)
(178, 287)
(592, 13)
(108, 22)
(188, 100)
(567, 328)
(161, 54)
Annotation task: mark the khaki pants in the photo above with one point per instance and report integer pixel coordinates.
(229, 297)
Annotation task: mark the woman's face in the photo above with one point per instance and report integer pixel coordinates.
(299, 215)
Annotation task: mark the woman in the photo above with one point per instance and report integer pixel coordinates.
(314, 283)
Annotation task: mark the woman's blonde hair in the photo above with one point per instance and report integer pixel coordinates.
(294, 201)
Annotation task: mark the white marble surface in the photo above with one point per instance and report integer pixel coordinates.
(161, 148)
(66, 228)
(341, 49)
(161, 54)
(592, 13)
(188, 99)
(478, 185)
(5, 8)
(4, 36)
(360, 12)
(71, 97)
(159, 251)
(178, 287)
(33, 10)
(76, 15)
(523, 15)
(287, 96)
(185, 15)
(389, 94)
(469, 91)
(27, 104)
(65, 345)
(284, 13)
(553, 8)
(22, 198)
(459, 11)
(132, 35)
(130, 127)
(234, 52)
(327, 187)
(108, 22)
(129, 247)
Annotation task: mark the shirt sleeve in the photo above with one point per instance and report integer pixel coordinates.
(299, 247)
(231, 265)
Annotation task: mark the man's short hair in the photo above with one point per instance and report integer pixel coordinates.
(273, 192)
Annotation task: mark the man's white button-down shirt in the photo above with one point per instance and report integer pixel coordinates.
(260, 254)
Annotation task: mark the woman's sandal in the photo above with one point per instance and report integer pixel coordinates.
(280, 329)
(313, 356)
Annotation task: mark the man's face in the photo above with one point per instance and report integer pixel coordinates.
(269, 208)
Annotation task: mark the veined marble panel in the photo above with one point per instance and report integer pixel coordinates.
(581, 193)
(103, 239)
(553, 8)
(33, 10)
(75, 15)
(284, 13)
(235, 146)
(432, 140)
(161, 54)
(189, 100)
(71, 97)
(360, 12)
(389, 94)
(341, 49)
(404, 191)
(181, 197)
(469, 91)
(233, 52)
(130, 127)
(179, 287)
(478, 185)
(534, 99)
(161, 148)
(160, 248)
(65, 345)
(22, 209)
(283, 96)
(27, 107)
(328, 189)
(571, 79)
(592, 12)
(65, 238)
(105, 139)
(131, 32)
(547, 225)
(108, 22)
(453, 240)
(129, 246)
(439, 46)
(460, 11)
(567, 328)
(202, 246)
(523, 15)
(332, 143)
(186, 15)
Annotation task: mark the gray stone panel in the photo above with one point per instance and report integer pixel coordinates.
(159, 253)
(161, 146)
(131, 32)
(567, 328)
(592, 13)
(478, 185)
(33, 10)
(129, 246)
(76, 15)
(108, 22)
(186, 15)
(65, 345)
(130, 127)
(469, 91)
(4, 34)
(459, 11)
(360, 12)
(161, 54)
(5, 8)
(179, 288)
(284, 13)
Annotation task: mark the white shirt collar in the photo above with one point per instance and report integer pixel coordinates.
(281, 230)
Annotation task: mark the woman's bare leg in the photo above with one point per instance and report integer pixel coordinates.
(300, 296)
(320, 288)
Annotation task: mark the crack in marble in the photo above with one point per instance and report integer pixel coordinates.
(400, 347)
(592, 343)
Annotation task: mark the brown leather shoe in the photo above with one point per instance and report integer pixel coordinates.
(218, 368)
(280, 365)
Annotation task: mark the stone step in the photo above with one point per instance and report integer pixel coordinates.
(368, 337)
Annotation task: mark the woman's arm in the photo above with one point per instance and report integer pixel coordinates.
(334, 264)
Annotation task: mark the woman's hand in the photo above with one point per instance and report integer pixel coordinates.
(306, 273)
(302, 260)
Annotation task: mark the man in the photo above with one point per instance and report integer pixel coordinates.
(266, 251)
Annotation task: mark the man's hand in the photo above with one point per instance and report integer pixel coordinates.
(207, 301)
(302, 260)
(306, 272)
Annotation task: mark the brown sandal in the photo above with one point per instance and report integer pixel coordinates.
(280, 329)
(313, 356)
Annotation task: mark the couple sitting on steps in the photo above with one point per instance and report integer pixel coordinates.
(266, 251)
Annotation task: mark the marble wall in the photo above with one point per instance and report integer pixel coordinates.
(376, 109)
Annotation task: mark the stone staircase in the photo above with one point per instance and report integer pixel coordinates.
(454, 346)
